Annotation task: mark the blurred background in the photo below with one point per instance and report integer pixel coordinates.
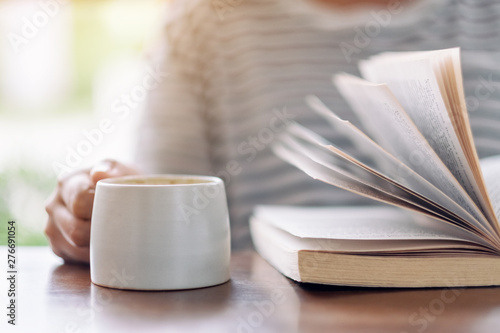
(64, 67)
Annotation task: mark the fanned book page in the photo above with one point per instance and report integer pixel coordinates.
(432, 176)
(416, 152)
(429, 87)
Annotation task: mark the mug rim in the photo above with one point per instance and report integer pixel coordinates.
(115, 181)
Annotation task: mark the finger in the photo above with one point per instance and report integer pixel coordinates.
(75, 230)
(110, 169)
(62, 248)
(77, 193)
(49, 203)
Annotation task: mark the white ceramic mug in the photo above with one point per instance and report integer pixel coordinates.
(160, 232)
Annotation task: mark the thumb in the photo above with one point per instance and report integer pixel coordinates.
(110, 169)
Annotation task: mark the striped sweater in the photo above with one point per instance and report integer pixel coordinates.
(239, 71)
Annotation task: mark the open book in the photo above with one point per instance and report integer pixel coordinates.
(415, 152)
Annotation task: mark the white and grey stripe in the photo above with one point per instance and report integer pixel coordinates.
(226, 76)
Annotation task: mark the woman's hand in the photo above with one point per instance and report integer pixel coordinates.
(70, 209)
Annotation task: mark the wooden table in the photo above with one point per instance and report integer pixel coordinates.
(55, 297)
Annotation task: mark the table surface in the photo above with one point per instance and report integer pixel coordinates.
(57, 297)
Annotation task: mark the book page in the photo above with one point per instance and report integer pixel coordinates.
(359, 223)
(322, 173)
(385, 119)
(306, 143)
(428, 86)
(390, 167)
(265, 234)
(491, 173)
